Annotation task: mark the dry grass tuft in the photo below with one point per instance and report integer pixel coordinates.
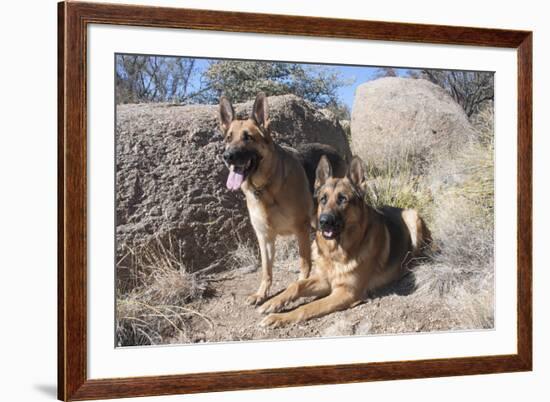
(154, 309)
(484, 122)
(397, 186)
(244, 257)
(287, 254)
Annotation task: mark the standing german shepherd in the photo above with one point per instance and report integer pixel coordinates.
(357, 248)
(275, 182)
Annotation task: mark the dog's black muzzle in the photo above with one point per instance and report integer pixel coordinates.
(331, 225)
(238, 156)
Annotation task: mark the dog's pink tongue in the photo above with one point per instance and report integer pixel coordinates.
(234, 180)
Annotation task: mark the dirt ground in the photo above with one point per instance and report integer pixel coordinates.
(224, 315)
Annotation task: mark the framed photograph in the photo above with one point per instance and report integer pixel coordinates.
(252, 201)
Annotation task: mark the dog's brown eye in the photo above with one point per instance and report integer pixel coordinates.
(246, 136)
(323, 199)
(342, 199)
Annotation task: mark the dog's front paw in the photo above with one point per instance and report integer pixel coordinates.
(271, 306)
(275, 320)
(255, 299)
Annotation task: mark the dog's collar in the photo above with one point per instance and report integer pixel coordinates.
(258, 190)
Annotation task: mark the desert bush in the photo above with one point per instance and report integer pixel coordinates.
(463, 210)
(461, 274)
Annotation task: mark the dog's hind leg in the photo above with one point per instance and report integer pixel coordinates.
(304, 247)
(267, 253)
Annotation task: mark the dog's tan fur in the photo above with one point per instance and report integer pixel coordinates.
(277, 192)
(372, 250)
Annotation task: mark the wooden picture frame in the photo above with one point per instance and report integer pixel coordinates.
(73, 382)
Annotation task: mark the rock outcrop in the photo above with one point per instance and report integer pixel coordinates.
(405, 120)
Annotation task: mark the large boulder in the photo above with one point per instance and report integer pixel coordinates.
(404, 120)
(171, 182)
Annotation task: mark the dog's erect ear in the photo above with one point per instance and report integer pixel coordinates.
(227, 115)
(323, 172)
(260, 111)
(356, 173)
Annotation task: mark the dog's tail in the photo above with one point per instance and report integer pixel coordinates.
(421, 237)
(310, 155)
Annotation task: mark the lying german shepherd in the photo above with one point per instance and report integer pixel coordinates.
(275, 182)
(357, 248)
